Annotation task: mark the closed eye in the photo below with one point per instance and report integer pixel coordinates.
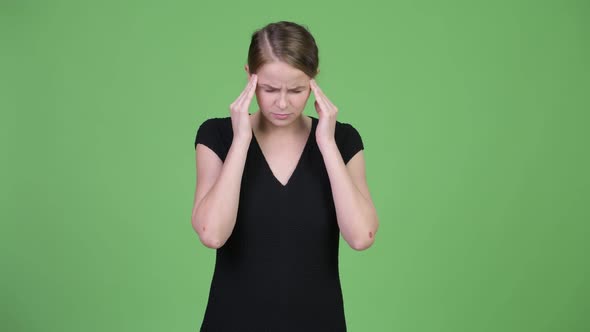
(298, 91)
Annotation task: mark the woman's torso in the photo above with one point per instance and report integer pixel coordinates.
(278, 271)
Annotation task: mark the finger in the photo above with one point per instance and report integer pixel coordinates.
(249, 86)
(250, 93)
(323, 97)
(314, 88)
(314, 85)
(317, 106)
(239, 99)
(245, 102)
(330, 103)
(319, 97)
(320, 93)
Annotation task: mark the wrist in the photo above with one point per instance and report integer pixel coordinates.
(327, 144)
(242, 142)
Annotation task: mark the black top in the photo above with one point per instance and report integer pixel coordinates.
(278, 271)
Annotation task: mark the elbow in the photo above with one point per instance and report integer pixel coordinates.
(211, 243)
(362, 244)
(207, 238)
(365, 240)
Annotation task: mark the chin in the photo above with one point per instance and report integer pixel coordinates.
(280, 121)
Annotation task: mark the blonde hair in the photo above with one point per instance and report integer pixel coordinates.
(287, 42)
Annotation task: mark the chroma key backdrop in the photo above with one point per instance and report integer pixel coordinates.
(473, 114)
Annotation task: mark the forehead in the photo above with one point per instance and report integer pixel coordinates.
(281, 74)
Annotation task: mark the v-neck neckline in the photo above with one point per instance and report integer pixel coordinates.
(299, 161)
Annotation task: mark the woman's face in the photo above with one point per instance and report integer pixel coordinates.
(282, 92)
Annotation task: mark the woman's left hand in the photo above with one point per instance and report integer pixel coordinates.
(327, 113)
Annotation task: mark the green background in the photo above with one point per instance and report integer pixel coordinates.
(474, 117)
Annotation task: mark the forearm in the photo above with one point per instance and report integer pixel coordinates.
(356, 215)
(217, 212)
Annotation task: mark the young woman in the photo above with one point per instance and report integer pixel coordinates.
(275, 189)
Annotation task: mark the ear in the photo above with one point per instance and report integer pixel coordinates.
(247, 70)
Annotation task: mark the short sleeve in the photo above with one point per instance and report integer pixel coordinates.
(351, 142)
(209, 134)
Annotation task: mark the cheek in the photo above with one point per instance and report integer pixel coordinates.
(263, 98)
(301, 99)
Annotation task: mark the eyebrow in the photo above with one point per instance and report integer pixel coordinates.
(272, 87)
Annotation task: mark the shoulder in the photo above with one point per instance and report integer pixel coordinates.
(216, 123)
(215, 126)
(348, 140)
(216, 133)
(345, 132)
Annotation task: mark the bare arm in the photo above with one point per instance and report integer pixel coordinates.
(218, 193)
(355, 212)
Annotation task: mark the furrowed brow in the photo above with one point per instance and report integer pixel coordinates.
(272, 87)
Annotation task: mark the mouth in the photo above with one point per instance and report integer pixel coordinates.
(281, 116)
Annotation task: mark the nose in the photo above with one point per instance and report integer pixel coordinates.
(283, 101)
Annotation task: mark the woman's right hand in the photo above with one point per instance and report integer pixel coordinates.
(240, 118)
